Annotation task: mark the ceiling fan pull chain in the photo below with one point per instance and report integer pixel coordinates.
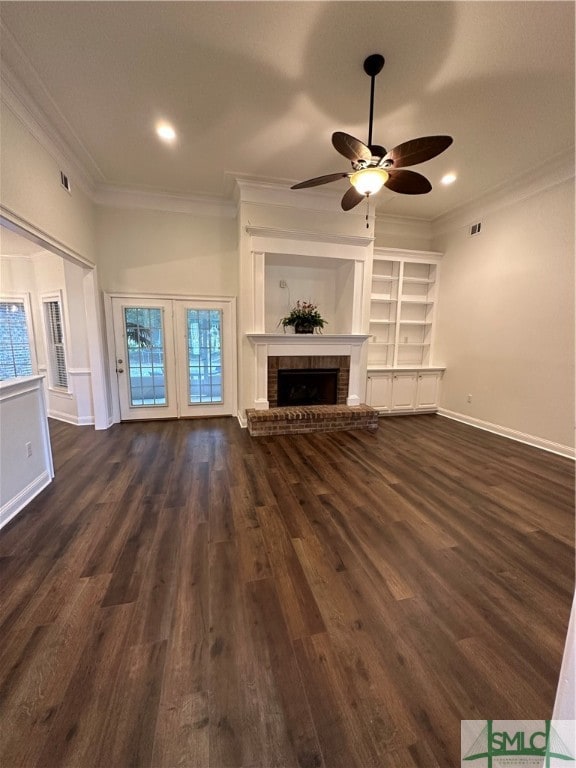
(367, 212)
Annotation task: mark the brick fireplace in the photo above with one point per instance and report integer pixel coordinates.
(292, 352)
(308, 362)
(278, 267)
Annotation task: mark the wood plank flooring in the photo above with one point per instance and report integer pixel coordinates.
(185, 595)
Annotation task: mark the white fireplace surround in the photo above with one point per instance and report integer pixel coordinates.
(297, 345)
(344, 260)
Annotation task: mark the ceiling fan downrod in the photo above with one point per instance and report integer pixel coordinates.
(372, 66)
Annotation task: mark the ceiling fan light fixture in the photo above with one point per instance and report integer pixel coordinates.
(166, 132)
(369, 181)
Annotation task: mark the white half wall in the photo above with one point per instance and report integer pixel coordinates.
(25, 452)
(506, 318)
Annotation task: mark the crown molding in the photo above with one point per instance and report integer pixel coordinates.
(557, 170)
(111, 196)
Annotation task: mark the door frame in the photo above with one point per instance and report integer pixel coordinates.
(111, 343)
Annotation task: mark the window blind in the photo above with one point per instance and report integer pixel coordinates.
(15, 357)
(57, 352)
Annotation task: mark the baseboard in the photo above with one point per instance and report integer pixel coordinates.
(242, 420)
(24, 497)
(512, 434)
(77, 421)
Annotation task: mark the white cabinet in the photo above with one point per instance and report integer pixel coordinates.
(404, 391)
(379, 391)
(427, 390)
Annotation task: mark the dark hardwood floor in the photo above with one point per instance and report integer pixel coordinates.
(184, 595)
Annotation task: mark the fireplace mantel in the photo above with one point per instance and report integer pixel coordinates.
(296, 344)
(309, 338)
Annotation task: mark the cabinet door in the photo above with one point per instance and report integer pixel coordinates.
(404, 391)
(427, 393)
(379, 391)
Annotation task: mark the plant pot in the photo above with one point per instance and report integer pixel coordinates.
(303, 328)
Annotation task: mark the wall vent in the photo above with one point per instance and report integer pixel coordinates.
(65, 181)
(475, 228)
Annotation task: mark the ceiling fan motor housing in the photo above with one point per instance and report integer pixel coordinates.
(378, 152)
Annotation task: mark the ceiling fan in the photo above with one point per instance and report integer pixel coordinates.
(373, 166)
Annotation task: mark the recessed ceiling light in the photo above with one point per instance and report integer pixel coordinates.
(449, 178)
(166, 132)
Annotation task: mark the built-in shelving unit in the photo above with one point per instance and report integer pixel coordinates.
(402, 303)
(401, 374)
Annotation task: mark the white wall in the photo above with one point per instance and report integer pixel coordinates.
(147, 251)
(32, 195)
(402, 232)
(16, 274)
(328, 284)
(506, 318)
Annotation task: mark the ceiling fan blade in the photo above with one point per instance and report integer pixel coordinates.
(407, 182)
(351, 198)
(417, 151)
(352, 148)
(320, 180)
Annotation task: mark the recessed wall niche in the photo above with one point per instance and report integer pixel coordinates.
(327, 282)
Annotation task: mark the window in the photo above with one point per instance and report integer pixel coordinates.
(16, 357)
(55, 349)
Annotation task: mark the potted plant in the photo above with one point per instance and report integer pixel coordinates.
(304, 316)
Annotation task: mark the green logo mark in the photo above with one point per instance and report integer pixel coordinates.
(533, 739)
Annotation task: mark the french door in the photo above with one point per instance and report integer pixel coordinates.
(174, 357)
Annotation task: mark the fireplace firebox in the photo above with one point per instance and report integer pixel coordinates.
(307, 386)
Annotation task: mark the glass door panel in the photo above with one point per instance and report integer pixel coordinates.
(144, 359)
(205, 335)
(204, 356)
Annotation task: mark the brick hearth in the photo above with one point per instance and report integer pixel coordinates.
(310, 418)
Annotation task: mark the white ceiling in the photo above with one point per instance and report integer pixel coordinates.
(257, 88)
